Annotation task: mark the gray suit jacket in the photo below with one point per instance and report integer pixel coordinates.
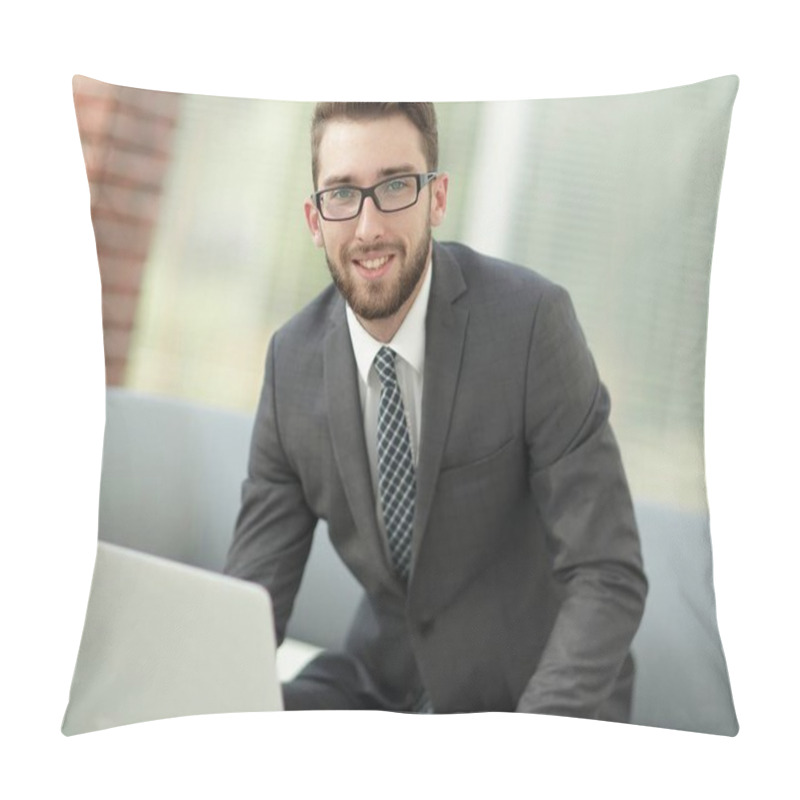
(526, 582)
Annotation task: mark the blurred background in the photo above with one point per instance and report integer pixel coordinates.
(196, 203)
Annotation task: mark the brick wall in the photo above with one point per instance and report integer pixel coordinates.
(126, 136)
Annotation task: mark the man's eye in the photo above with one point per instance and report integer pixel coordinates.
(342, 193)
(397, 185)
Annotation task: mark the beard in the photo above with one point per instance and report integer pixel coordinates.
(383, 298)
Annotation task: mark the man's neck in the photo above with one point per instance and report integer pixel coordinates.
(383, 329)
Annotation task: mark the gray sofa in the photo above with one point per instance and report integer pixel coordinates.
(171, 478)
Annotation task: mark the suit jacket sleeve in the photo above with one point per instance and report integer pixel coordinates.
(577, 478)
(275, 526)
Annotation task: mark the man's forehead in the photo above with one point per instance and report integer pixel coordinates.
(366, 150)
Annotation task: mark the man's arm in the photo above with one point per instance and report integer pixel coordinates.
(274, 527)
(577, 478)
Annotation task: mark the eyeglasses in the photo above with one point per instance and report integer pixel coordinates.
(394, 194)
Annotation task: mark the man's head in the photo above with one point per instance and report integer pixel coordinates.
(378, 257)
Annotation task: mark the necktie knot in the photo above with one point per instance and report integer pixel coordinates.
(385, 366)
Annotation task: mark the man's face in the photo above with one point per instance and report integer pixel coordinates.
(378, 259)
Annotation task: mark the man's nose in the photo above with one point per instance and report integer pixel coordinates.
(371, 221)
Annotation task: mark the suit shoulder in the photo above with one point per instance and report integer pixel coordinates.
(495, 278)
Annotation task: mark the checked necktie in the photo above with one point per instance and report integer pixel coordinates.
(397, 484)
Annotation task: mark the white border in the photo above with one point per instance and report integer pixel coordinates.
(53, 393)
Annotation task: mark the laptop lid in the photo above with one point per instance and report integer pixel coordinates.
(163, 639)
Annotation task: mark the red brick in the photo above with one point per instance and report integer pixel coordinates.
(151, 103)
(94, 115)
(124, 203)
(89, 87)
(119, 272)
(121, 237)
(119, 310)
(94, 155)
(117, 342)
(142, 136)
(126, 135)
(115, 371)
(128, 168)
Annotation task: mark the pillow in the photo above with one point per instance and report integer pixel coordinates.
(203, 253)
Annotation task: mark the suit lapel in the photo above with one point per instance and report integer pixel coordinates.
(445, 330)
(364, 545)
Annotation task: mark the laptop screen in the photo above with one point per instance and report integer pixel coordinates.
(163, 639)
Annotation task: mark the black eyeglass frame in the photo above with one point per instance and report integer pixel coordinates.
(422, 178)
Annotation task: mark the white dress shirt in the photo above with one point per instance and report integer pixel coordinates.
(409, 344)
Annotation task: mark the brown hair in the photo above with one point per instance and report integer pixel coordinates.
(421, 115)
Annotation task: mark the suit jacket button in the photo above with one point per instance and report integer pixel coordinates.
(426, 626)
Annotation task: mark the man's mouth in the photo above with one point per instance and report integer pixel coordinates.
(375, 266)
(373, 263)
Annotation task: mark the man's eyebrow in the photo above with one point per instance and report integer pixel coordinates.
(403, 169)
(337, 180)
(385, 172)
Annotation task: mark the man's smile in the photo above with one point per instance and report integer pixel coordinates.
(373, 265)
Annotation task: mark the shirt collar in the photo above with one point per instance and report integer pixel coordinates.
(408, 342)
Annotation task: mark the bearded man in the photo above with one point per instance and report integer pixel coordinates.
(441, 410)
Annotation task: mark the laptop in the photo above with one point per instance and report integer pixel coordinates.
(163, 639)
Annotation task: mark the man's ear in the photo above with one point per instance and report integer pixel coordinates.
(439, 199)
(313, 220)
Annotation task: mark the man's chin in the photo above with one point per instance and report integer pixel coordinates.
(373, 308)
(369, 302)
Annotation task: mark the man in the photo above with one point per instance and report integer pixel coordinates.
(442, 412)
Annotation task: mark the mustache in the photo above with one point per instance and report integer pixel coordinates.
(358, 252)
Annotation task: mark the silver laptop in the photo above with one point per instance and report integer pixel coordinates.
(162, 639)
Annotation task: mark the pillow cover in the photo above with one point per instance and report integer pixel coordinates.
(203, 252)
